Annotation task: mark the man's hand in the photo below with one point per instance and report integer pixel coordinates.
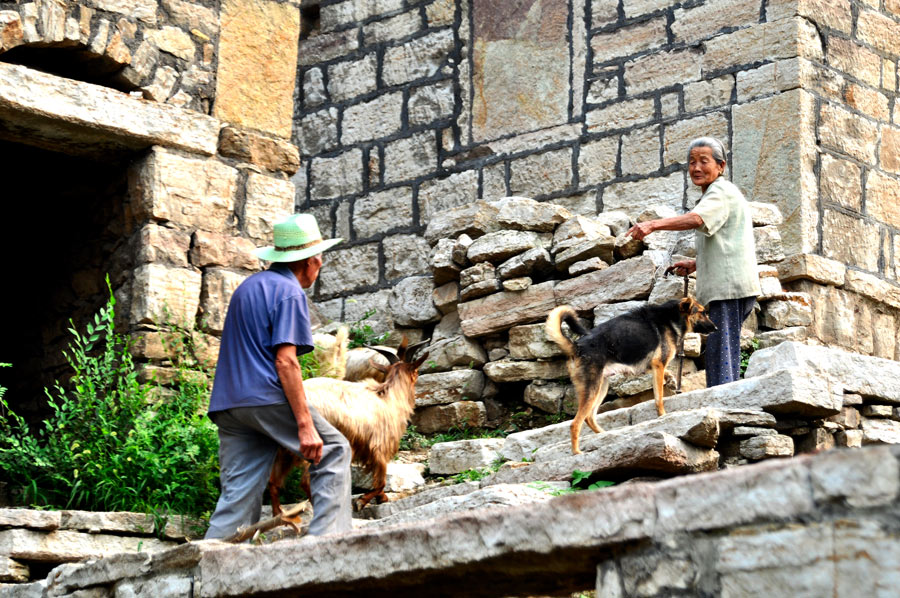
(641, 230)
(288, 369)
(310, 443)
(684, 267)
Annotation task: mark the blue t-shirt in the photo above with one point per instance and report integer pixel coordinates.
(268, 309)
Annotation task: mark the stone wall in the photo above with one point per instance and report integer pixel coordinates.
(408, 108)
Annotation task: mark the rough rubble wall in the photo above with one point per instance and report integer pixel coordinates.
(409, 108)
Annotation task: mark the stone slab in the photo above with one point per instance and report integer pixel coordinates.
(655, 452)
(66, 545)
(627, 280)
(503, 310)
(862, 374)
(508, 370)
(460, 455)
(57, 112)
(29, 518)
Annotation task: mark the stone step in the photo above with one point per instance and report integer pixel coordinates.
(861, 374)
(65, 545)
(500, 495)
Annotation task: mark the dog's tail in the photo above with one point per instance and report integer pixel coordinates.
(566, 314)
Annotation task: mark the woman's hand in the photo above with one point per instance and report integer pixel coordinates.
(684, 267)
(641, 230)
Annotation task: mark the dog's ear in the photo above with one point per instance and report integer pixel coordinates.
(684, 306)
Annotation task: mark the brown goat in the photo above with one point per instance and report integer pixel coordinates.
(372, 416)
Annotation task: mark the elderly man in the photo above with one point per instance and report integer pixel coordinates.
(258, 402)
(727, 279)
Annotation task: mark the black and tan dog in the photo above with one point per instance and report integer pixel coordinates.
(643, 338)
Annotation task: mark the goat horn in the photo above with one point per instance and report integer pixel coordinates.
(389, 355)
(411, 350)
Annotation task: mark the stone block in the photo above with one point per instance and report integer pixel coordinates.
(704, 95)
(66, 545)
(848, 438)
(778, 132)
(418, 58)
(324, 47)
(531, 342)
(317, 132)
(410, 303)
(532, 261)
(481, 272)
(448, 327)
(518, 371)
(662, 69)
(632, 198)
(268, 201)
(848, 133)
(597, 160)
(632, 39)
(443, 266)
(811, 267)
(338, 175)
(475, 219)
(786, 38)
(267, 152)
(30, 519)
(546, 396)
(499, 246)
(794, 310)
(516, 284)
(410, 157)
(767, 446)
(313, 88)
(627, 280)
(12, 571)
(705, 20)
(162, 245)
(164, 186)
(884, 431)
(156, 288)
(768, 244)
(599, 247)
(506, 309)
(541, 174)
(448, 387)
(405, 255)
(374, 119)
(441, 418)
(883, 198)
(253, 88)
(380, 212)
(776, 337)
(446, 298)
(218, 287)
(882, 411)
(853, 241)
(349, 268)
(868, 376)
(438, 197)
(522, 213)
(215, 249)
(458, 351)
(430, 103)
(455, 457)
(620, 115)
(352, 78)
(653, 451)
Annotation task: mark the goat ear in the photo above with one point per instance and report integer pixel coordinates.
(402, 348)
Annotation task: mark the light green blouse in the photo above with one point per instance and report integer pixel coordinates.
(726, 253)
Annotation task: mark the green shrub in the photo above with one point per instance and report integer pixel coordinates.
(361, 334)
(106, 447)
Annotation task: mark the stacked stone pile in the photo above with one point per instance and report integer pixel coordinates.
(499, 267)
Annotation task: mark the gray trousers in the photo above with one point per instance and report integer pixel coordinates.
(249, 437)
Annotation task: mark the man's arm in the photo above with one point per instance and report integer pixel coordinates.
(684, 222)
(288, 369)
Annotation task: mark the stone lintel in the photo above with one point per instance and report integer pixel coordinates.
(83, 118)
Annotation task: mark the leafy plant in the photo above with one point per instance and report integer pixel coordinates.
(105, 446)
(474, 475)
(580, 478)
(746, 353)
(362, 334)
(309, 366)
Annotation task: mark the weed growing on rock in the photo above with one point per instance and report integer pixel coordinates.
(107, 445)
(362, 334)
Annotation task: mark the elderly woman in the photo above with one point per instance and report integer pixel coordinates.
(727, 279)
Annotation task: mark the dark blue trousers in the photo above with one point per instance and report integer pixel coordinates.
(723, 348)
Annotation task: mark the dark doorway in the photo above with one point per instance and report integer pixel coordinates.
(63, 231)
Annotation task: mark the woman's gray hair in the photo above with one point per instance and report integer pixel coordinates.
(718, 149)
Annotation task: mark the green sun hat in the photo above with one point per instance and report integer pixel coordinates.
(296, 238)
